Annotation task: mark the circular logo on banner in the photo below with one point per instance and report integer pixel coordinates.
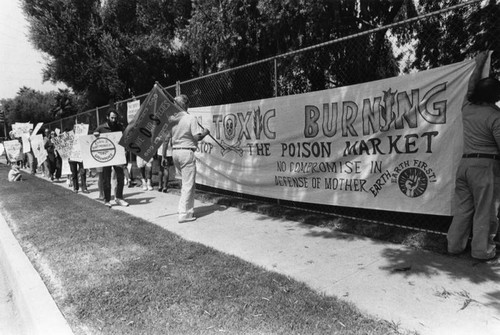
(102, 150)
(413, 182)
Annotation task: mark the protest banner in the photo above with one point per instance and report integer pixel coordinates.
(80, 129)
(14, 150)
(392, 144)
(144, 135)
(38, 148)
(63, 144)
(102, 151)
(132, 109)
(20, 128)
(2, 149)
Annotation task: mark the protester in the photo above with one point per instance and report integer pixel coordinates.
(185, 133)
(77, 169)
(45, 164)
(477, 192)
(112, 125)
(165, 163)
(14, 173)
(53, 158)
(30, 155)
(146, 170)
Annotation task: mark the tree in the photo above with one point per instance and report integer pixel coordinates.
(29, 105)
(462, 33)
(111, 51)
(225, 33)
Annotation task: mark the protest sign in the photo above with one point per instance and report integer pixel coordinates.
(144, 135)
(25, 139)
(80, 129)
(132, 109)
(102, 151)
(38, 148)
(20, 128)
(392, 144)
(2, 149)
(63, 144)
(14, 151)
(37, 128)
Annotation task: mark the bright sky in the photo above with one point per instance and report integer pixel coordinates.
(20, 64)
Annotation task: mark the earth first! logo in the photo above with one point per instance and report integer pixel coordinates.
(102, 150)
(412, 176)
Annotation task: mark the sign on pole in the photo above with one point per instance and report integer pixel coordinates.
(144, 135)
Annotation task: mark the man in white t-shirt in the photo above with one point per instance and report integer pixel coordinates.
(185, 134)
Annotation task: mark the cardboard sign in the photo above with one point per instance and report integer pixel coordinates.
(80, 129)
(148, 130)
(102, 151)
(132, 109)
(14, 150)
(25, 139)
(38, 148)
(63, 144)
(20, 128)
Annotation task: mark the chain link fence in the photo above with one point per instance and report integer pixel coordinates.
(374, 54)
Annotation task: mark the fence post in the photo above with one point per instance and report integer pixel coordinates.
(275, 77)
(97, 115)
(177, 88)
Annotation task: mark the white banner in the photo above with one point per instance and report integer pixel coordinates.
(392, 144)
(102, 151)
(38, 148)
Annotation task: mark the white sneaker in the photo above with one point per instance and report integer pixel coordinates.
(150, 187)
(121, 202)
(144, 185)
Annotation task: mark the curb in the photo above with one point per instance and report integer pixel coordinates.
(38, 312)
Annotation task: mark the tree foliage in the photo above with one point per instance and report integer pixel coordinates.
(29, 105)
(109, 51)
(114, 49)
(227, 33)
(461, 33)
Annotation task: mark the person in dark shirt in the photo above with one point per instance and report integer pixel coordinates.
(112, 125)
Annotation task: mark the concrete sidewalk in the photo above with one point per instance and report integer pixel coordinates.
(417, 290)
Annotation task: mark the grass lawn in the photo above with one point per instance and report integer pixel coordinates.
(112, 273)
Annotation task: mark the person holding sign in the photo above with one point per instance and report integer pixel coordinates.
(185, 134)
(477, 189)
(53, 157)
(112, 125)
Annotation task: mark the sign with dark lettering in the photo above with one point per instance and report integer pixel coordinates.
(102, 151)
(144, 135)
(393, 144)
